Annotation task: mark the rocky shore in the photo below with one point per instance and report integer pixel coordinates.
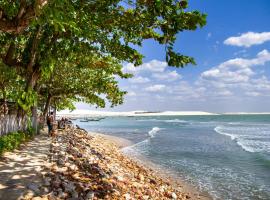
(83, 167)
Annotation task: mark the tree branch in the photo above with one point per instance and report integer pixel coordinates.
(21, 21)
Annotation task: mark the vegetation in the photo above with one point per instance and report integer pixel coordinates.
(13, 140)
(57, 52)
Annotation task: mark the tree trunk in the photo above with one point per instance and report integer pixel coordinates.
(34, 119)
(46, 108)
(31, 83)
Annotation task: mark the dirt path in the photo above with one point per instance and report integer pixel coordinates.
(21, 170)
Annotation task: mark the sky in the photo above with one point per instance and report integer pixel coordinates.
(232, 74)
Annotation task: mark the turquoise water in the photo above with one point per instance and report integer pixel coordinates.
(227, 156)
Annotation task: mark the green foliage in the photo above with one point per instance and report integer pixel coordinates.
(27, 99)
(73, 50)
(13, 140)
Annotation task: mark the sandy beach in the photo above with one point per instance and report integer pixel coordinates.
(119, 142)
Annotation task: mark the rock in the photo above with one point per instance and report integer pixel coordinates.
(69, 187)
(162, 189)
(84, 168)
(116, 192)
(75, 194)
(152, 181)
(51, 196)
(47, 181)
(29, 194)
(141, 177)
(61, 162)
(34, 187)
(73, 167)
(56, 183)
(145, 197)
(127, 196)
(37, 198)
(45, 190)
(174, 196)
(90, 195)
(120, 178)
(137, 185)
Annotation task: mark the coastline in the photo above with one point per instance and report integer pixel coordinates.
(92, 167)
(158, 170)
(92, 113)
(118, 141)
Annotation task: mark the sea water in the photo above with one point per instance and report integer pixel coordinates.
(227, 156)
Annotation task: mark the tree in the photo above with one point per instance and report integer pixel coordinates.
(15, 16)
(92, 84)
(76, 33)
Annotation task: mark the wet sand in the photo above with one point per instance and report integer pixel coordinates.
(119, 142)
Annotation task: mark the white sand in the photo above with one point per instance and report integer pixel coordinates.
(91, 113)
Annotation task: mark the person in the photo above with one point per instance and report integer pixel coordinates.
(61, 123)
(50, 123)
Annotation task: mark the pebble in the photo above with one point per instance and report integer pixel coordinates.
(75, 194)
(90, 196)
(120, 178)
(127, 196)
(89, 168)
(37, 198)
(33, 187)
(174, 196)
(47, 181)
(141, 177)
(29, 194)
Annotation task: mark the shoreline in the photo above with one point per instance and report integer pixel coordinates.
(82, 166)
(118, 141)
(158, 170)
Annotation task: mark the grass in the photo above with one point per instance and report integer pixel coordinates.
(13, 140)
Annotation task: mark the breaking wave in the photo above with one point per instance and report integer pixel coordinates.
(249, 138)
(165, 120)
(154, 131)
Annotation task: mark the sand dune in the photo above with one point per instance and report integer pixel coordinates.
(86, 113)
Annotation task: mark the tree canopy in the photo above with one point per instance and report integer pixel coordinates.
(74, 48)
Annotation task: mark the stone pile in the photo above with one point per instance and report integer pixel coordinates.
(83, 167)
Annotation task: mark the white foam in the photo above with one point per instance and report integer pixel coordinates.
(141, 146)
(176, 120)
(218, 129)
(249, 138)
(154, 131)
(164, 120)
(136, 149)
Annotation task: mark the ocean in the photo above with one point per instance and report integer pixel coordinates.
(227, 156)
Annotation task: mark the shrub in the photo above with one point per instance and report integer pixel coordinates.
(13, 140)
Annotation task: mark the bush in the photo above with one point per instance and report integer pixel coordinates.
(13, 140)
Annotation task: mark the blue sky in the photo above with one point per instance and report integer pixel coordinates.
(232, 73)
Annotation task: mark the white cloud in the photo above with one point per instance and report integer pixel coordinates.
(225, 86)
(167, 75)
(237, 77)
(131, 94)
(139, 79)
(155, 88)
(248, 39)
(252, 94)
(152, 66)
(236, 70)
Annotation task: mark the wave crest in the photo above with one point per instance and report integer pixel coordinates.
(152, 133)
(251, 139)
